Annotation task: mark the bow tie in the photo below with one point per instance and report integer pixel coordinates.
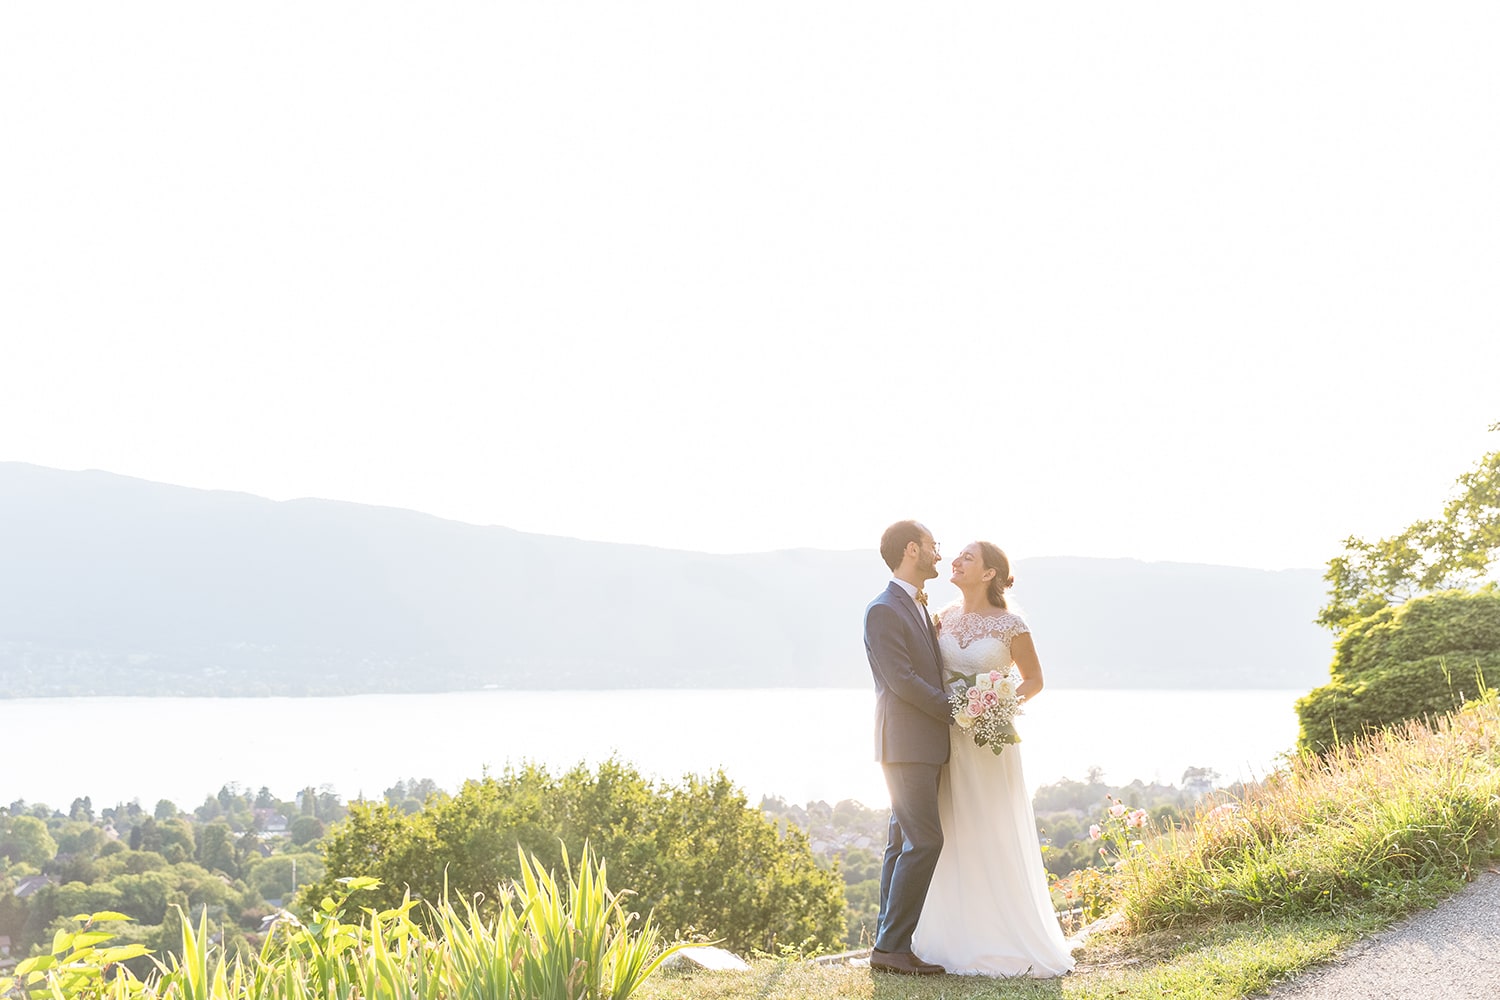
(921, 598)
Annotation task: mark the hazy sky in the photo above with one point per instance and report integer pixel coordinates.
(1187, 281)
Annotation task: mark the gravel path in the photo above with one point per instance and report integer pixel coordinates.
(1448, 953)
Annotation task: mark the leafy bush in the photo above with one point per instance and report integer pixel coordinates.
(1423, 658)
(1450, 623)
(697, 854)
(1348, 709)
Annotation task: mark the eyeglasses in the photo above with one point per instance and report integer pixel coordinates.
(937, 549)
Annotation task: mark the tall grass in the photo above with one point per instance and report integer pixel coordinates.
(1377, 828)
(546, 941)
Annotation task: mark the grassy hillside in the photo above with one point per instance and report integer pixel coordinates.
(1254, 889)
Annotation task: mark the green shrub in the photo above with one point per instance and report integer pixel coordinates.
(1421, 658)
(1451, 623)
(696, 854)
(1349, 709)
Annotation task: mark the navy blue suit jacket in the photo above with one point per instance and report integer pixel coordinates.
(911, 708)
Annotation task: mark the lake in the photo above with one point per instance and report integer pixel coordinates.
(799, 744)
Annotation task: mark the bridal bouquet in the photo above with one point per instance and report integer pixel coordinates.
(985, 706)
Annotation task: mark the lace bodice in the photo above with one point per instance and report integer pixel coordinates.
(973, 642)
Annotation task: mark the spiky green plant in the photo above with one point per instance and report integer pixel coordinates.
(546, 941)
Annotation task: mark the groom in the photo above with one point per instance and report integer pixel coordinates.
(911, 739)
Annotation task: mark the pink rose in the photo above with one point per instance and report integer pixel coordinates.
(996, 676)
(974, 694)
(974, 710)
(989, 699)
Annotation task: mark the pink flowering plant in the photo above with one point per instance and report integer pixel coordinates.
(985, 705)
(1121, 834)
(1087, 894)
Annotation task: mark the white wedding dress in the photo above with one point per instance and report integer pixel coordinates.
(988, 911)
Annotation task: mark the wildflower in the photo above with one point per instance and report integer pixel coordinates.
(1095, 833)
(1222, 811)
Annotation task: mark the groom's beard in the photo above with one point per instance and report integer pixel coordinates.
(927, 568)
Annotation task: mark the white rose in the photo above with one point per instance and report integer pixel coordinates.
(983, 682)
(965, 720)
(1006, 689)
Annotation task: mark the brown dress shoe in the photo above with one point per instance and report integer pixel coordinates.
(903, 963)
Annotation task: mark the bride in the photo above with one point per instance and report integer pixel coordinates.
(988, 911)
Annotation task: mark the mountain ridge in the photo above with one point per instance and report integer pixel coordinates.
(119, 585)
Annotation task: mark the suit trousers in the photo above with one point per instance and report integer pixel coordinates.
(913, 842)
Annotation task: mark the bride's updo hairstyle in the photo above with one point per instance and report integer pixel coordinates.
(1002, 581)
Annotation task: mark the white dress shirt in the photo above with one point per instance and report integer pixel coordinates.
(910, 590)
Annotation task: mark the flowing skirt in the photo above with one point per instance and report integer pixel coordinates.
(988, 912)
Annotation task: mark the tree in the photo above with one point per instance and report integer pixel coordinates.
(1199, 781)
(1080, 796)
(1450, 552)
(28, 842)
(131, 863)
(216, 849)
(274, 877)
(330, 808)
(306, 829)
(165, 809)
(12, 909)
(177, 842)
(78, 838)
(246, 846)
(410, 795)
